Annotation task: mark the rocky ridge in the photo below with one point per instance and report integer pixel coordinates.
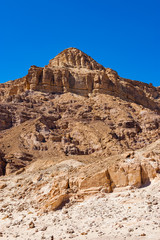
(74, 71)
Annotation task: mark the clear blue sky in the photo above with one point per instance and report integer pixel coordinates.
(121, 34)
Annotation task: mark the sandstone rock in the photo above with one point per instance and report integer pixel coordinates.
(101, 179)
(2, 185)
(118, 176)
(17, 161)
(134, 175)
(57, 202)
(5, 118)
(20, 171)
(71, 150)
(148, 172)
(125, 174)
(74, 71)
(74, 58)
(75, 106)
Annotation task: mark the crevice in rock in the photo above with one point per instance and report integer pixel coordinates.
(145, 181)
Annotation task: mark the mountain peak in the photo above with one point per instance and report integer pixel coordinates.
(74, 58)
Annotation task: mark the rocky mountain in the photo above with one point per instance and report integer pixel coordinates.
(88, 129)
(73, 71)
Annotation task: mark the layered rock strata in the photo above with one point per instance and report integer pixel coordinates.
(74, 71)
(74, 181)
(76, 110)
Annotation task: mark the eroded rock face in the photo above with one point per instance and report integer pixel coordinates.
(5, 118)
(46, 125)
(68, 186)
(107, 115)
(16, 161)
(103, 130)
(73, 181)
(74, 58)
(74, 71)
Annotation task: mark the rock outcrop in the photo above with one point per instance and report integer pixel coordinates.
(44, 125)
(70, 184)
(5, 118)
(74, 71)
(76, 110)
(74, 58)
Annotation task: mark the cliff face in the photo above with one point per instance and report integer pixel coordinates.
(75, 106)
(74, 71)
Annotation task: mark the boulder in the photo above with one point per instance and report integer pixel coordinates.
(100, 179)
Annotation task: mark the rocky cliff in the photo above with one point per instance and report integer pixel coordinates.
(76, 111)
(74, 71)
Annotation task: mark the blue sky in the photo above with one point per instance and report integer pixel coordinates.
(121, 34)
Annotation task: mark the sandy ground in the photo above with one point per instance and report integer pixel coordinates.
(124, 214)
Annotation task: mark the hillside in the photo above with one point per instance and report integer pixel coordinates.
(74, 129)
